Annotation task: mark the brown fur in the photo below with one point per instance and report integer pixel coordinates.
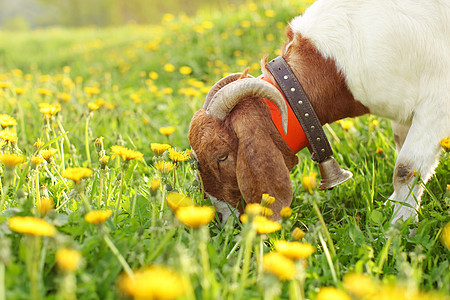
(245, 155)
(319, 77)
(258, 159)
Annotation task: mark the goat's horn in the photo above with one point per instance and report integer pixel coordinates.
(221, 83)
(229, 96)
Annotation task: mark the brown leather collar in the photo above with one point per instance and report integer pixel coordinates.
(303, 110)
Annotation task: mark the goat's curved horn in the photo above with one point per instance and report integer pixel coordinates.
(221, 83)
(230, 95)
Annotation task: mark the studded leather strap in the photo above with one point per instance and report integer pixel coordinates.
(299, 102)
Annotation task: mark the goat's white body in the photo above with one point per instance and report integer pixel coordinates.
(395, 57)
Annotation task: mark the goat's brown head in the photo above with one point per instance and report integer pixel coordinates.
(237, 146)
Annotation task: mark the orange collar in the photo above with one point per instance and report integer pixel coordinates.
(295, 138)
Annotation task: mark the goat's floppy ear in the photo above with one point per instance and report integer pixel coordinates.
(263, 158)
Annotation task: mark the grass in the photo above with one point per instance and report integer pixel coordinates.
(125, 72)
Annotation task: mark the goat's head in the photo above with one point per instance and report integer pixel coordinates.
(237, 146)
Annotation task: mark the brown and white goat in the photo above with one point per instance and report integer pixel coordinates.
(389, 58)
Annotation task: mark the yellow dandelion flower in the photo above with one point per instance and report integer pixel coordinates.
(9, 135)
(269, 13)
(154, 282)
(374, 123)
(379, 150)
(31, 225)
(327, 293)
(297, 233)
(245, 24)
(44, 92)
(286, 212)
(49, 110)
(38, 144)
(4, 84)
(47, 154)
(267, 200)
(11, 160)
(359, 285)
(64, 97)
(68, 260)
(177, 200)
(445, 143)
(97, 216)
(253, 209)
(36, 160)
(263, 225)
(167, 130)
(19, 90)
(153, 75)
(93, 106)
(294, 250)
(164, 167)
(90, 91)
(167, 17)
(347, 124)
(309, 182)
(154, 185)
(76, 174)
(195, 216)
(445, 236)
(266, 212)
(185, 70)
(279, 265)
(44, 206)
(169, 68)
(125, 153)
(7, 120)
(176, 156)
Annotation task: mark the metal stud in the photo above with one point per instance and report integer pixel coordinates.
(306, 115)
(300, 102)
(323, 150)
(313, 127)
(285, 77)
(318, 139)
(292, 89)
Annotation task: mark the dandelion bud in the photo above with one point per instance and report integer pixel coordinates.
(298, 234)
(38, 144)
(253, 209)
(104, 160)
(36, 161)
(267, 200)
(286, 212)
(155, 185)
(445, 236)
(45, 205)
(99, 144)
(267, 212)
(309, 182)
(67, 259)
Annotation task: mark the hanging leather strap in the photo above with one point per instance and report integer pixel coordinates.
(303, 110)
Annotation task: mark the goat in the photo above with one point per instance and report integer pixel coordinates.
(390, 58)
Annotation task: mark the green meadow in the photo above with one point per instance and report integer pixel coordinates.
(91, 210)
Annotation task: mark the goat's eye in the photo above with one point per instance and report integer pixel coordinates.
(222, 157)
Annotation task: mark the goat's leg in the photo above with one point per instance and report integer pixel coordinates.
(418, 151)
(400, 131)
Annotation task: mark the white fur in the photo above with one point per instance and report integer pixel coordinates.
(395, 56)
(223, 208)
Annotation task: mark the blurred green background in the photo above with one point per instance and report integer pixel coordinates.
(17, 15)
